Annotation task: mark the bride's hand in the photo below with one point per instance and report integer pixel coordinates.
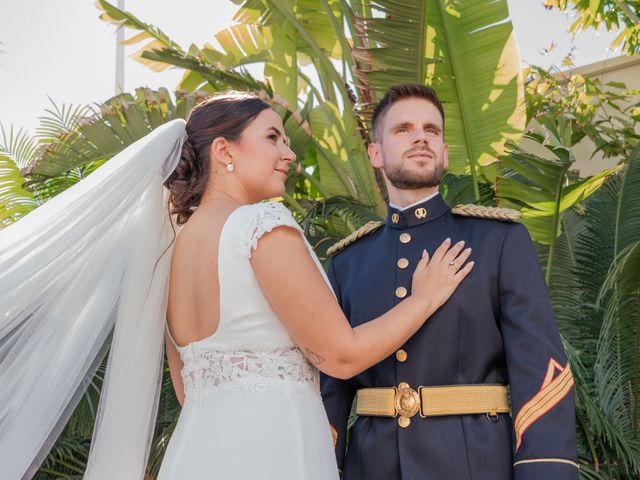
(435, 279)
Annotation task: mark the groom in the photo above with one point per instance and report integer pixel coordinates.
(483, 390)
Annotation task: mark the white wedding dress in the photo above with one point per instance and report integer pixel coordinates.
(252, 406)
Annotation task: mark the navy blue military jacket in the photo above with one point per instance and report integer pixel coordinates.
(497, 328)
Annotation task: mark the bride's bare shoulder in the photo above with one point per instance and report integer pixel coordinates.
(201, 233)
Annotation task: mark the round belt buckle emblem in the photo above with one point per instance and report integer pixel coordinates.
(407, 404)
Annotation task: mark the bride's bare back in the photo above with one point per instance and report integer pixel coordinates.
(193, 311)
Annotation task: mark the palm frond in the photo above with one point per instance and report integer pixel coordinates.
(18, 145)
(332, 219)
(459, 189)
(619, 349)
(67, 459)
(537, 181)
(15, 200)
(157, 39)
(16, 151)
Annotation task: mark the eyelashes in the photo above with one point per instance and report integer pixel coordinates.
(432, 131)
(274, 139)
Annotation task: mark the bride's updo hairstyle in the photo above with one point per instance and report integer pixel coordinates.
(223, 115)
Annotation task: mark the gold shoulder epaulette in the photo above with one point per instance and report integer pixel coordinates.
(480, 211)
(364, 230)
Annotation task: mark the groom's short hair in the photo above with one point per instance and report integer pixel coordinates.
(398, 92)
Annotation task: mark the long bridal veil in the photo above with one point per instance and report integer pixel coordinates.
(84, 273)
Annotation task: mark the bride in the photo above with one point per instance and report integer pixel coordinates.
(250, 316)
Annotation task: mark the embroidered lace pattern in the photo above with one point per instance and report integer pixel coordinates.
(269, 216)
(207, 371)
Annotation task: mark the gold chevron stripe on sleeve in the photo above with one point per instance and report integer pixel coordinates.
(548, 390)
(552, 391)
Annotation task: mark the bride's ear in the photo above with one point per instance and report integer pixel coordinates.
(220, 152)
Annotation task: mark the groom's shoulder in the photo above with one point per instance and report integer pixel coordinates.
(362, 232)
(493, 221)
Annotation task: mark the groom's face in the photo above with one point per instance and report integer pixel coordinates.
(410, 148)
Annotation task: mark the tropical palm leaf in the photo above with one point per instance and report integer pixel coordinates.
(15, 201)
(619, 349)
(564, 280)
(16, 150)
(459, 189)
(287, 34)
(111, 127)
(594, 291)
(342, 159)
(539, 184)
(618, 360)
(330, 220)
(67, 459)
(317, 37)
(158, 40)
(606, 452)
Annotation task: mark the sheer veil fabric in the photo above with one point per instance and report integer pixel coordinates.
(84, 273)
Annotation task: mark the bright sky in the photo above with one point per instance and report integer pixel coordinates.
(62, 50)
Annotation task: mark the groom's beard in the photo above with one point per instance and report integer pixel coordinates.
(405, 179)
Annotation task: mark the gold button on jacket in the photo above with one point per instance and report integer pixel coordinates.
(403, 263)
(405, 238)
(401, 355)
(401, 292)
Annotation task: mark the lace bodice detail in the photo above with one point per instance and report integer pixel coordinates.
(255, 372)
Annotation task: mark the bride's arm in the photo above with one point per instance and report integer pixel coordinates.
(175, 367)
(299, 295)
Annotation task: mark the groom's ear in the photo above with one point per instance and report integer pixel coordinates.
(221, 152)
(375, 156)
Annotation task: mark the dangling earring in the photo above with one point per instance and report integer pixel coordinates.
(229, 167)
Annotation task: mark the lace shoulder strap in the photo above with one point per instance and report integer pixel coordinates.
(261, 218)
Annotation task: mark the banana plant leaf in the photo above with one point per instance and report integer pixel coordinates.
(539, 184)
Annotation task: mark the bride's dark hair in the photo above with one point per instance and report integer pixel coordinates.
(223, 115)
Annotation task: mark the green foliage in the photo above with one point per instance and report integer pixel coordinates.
(465, 50)
(607, 114)
(15, 200)
(614, 15)
(594, 287)
(540, 185)
(322, 74)
(71, 142)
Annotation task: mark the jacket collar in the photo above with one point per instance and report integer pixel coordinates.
(418, 214)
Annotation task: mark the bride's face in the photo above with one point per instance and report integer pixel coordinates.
(262, 156)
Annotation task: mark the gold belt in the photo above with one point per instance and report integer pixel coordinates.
(405, 402)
